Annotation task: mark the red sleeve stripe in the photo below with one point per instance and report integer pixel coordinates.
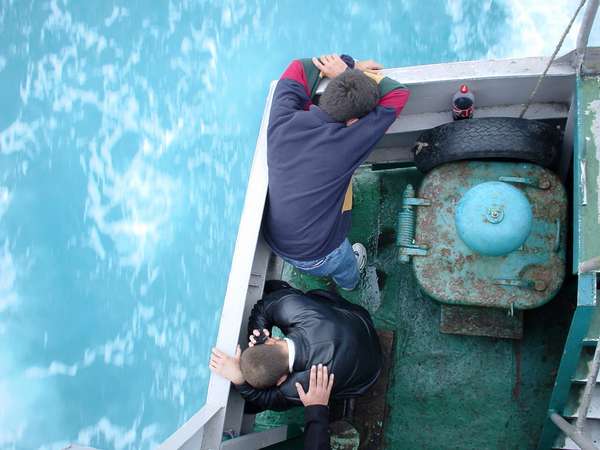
(395, 99)
(295, 71)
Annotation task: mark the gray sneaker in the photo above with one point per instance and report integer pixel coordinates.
(361, 256)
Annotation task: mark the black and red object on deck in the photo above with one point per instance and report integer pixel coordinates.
(463, 103)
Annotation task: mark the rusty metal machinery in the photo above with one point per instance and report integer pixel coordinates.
(486, 233)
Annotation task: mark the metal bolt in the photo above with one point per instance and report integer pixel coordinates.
(495, 215)
(545, 183)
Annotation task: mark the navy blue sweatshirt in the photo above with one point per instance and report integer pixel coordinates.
(311, 159)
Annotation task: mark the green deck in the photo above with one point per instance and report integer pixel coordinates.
(446, 391)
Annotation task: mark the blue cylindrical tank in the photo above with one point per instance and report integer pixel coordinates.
(493, 218)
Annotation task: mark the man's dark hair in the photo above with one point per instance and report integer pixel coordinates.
(263, 365)
(350, 95)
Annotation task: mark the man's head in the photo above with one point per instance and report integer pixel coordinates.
(265, 365)
(350, 95)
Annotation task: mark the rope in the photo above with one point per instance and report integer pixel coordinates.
(543, 75)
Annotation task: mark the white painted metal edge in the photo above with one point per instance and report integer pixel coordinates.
(474, 70)
(237, 285)
(482, 69)
(190, 428)
(257, 440)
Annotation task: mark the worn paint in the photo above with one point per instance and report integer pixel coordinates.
(453, 273)
(594, 107)
(476, 321)
(587, 184)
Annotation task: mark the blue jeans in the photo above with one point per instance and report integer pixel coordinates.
(340, 265)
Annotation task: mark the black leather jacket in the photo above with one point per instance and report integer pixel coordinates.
(325, 329)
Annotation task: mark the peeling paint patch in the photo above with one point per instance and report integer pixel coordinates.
(594, 107)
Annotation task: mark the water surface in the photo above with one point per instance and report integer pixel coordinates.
(126, 136)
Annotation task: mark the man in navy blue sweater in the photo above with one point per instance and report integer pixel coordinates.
(313, 152)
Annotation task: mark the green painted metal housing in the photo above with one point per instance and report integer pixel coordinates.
(586, 173)
(585, 325)
(463, 271)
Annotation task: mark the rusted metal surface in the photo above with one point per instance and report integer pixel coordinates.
(454, 274)
(474, 321)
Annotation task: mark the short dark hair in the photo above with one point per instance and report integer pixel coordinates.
(262, 365)
(350, 95)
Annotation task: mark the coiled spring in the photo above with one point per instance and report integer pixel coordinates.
(406, 223)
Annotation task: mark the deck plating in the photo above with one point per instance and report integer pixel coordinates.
(453, 273)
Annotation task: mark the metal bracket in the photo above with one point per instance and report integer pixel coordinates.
(420, 146)
(511, 310)
(557, 237)
(415, 201)
(538, 285)
(542, 183)
(414, 250)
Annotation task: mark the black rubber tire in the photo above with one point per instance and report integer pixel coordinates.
(504, 138)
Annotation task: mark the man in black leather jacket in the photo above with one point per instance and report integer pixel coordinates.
(320, 328)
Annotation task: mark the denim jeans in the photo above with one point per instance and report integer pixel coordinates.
(340, 265)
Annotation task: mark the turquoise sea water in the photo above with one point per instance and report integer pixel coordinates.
(126, 135)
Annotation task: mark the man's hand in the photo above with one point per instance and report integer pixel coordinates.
(368, 65)
(330, 65)
(256, 333)
(319, 388)
(227, 366)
